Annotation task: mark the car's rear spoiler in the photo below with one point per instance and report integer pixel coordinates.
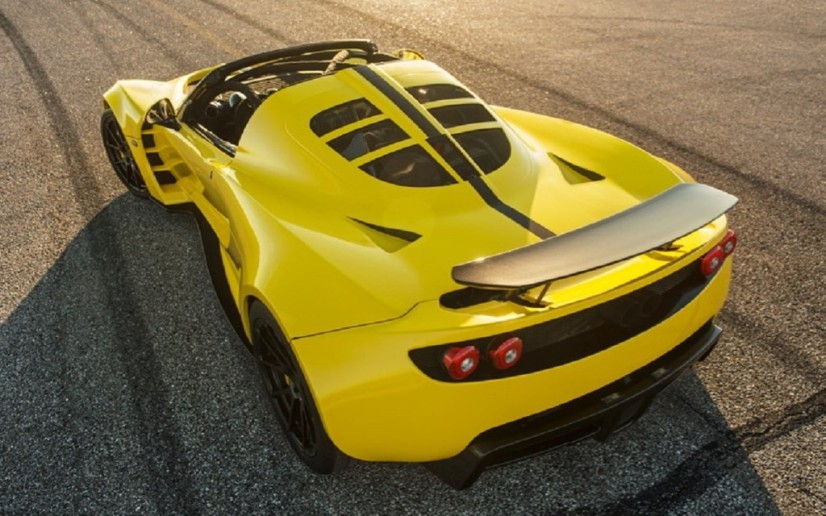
(660, 220)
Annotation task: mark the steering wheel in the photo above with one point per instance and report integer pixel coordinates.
(242, 90)
(201, 103)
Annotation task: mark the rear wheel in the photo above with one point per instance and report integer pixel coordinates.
(290, 395)
(120, 155)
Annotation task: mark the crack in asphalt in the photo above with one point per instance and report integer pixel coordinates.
(691, 478)
(158, 438)
(758, 433)
(714, 460)
(808, 492)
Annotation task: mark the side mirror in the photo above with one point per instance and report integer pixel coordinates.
(163, 114)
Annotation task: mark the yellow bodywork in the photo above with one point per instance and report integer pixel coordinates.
(353, 301)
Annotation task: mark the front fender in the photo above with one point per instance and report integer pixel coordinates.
(130, 100)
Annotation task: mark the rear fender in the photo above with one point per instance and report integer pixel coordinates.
(305, 288)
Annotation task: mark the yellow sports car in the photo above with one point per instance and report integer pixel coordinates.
(422, 276)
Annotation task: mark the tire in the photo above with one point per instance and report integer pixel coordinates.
(120, 155)
(290, 395)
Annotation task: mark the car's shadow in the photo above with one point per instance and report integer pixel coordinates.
(123, 387)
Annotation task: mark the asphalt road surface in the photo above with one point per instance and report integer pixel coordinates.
(124, 389)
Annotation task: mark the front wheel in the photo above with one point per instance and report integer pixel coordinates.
(120, 155)
(290, 395)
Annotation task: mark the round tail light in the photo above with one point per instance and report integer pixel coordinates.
(712, 260)
(461, 362)
(507, 354)
(729, 242)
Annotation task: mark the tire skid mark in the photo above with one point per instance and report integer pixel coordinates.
(252, 22)
(690, 479)
(714, 460)
(179, 60)
(762, 185)
(771, 341)
(86, 191)
(101, 42)
(171, 487)
(219, 42)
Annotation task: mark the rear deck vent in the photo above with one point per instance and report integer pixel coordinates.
(389, 239)
(575, 174)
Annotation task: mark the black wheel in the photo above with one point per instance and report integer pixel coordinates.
(120, 155)
(290, 395)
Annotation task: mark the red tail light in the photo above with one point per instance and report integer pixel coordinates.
(729, 242)
(507, 354)
(712, 260)
(461, 362)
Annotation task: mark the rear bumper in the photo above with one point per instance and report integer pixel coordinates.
(598, 414)
(377, 405)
